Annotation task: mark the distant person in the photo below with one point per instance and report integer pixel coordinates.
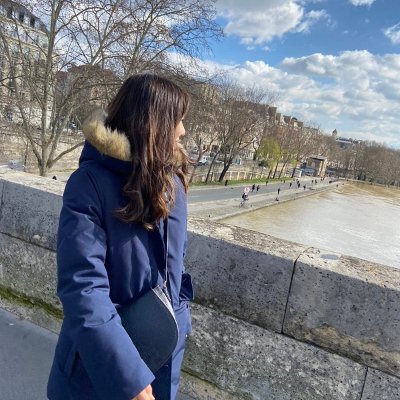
(304, 187)
(279, 190)
(226, 182)
(258, 188)
(290, 185)
(253, 187)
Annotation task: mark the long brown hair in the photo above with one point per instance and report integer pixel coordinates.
(148, 108)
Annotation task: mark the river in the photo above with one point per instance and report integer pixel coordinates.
(354, 219)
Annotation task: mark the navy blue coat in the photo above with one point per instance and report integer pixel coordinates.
(102, 263)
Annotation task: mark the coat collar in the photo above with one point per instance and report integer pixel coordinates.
(108, 142)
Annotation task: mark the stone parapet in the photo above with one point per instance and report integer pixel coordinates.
(250, 362)
(347, 305)
(273, 320)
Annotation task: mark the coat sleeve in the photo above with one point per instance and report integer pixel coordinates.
(109, 357)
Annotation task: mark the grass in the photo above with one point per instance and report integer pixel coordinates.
(238, 182)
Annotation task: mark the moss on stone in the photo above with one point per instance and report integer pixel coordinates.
(26, 301)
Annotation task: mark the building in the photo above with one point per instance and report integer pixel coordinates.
(316, 166)
(23, 44)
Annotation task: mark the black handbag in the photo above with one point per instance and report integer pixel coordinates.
(150, 321)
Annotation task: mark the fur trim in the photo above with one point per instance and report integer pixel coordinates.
(108, 142)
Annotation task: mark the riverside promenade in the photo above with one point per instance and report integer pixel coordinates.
(220, 209)
(26, 350)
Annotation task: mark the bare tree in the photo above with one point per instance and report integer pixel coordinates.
(200, 123)
(239, 121)
(90, 46)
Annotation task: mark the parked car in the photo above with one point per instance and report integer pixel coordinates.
(17, 165)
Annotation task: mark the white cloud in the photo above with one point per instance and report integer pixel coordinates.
(259, 21)
(356, 92)
(393, 33)
(310, 19)
(361, 2)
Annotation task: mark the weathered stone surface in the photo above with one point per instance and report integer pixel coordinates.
(256, 364)
(380, 386)
(31, 312)
(28, 269)
(193, 388)
(30, 208)
(240, 272)
(347, 305)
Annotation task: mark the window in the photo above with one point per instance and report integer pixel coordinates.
(9, 115)
(21, 17)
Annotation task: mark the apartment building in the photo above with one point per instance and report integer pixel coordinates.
(23, 45)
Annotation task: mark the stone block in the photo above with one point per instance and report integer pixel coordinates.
(28, 269)
(193, 388)
(347, 305)
(380, 386)
(239, 272)
(30, 208)
(255, 364)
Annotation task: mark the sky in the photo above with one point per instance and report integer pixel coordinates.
(332, 63)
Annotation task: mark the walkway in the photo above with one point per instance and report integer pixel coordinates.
(219, 209)
(26, 353)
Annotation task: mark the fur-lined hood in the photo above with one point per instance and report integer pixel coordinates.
(108, 142)
(115, 144)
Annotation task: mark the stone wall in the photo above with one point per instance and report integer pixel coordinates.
(14, 147)
(272, 320)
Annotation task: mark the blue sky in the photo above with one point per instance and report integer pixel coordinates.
(334, 63)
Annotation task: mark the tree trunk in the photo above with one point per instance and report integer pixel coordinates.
(276, 167)
(224, 171)
(193, 173)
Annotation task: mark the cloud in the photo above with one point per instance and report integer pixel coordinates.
(310, 19)
(393, 33)
(362, 2)
(356, 92)
(258, 21)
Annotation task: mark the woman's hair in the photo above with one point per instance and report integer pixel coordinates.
(148, 108)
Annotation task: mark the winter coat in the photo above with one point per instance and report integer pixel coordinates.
(104, 262)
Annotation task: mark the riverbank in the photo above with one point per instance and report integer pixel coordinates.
(218, 210)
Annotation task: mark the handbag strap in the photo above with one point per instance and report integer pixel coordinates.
(165, 279)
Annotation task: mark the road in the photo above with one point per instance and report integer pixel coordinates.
(235, 191)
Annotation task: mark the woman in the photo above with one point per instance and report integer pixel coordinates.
(131, 177)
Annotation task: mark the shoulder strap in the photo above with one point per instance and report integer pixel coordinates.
(165, 278)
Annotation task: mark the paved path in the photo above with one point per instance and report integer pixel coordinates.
(26, 354)
(227, 207)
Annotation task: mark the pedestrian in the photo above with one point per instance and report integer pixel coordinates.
(258, 188)
(290, 185)
(253, 187)
(304, 187)
(279, 189)
(127, 196)
(226, 182)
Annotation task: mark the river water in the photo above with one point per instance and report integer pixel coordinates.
(354, 219)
